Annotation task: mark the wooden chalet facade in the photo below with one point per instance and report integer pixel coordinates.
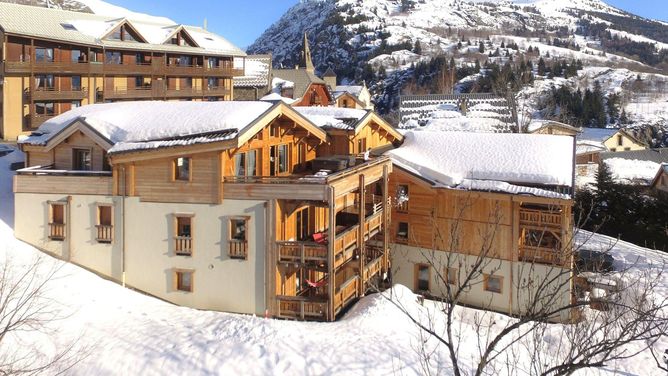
(243, 220)
(55, 60)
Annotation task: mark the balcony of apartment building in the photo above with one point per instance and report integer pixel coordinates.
(48, 179)
(329, 241)
(47, 87)
(543, 235)
(199, 66)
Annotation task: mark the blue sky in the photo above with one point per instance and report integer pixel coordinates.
(243, 21)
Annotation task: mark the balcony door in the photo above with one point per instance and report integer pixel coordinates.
(81, 159)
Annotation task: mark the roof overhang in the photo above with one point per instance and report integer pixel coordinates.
(77, 125)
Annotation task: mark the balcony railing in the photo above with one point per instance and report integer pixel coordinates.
(129, 93)
(539, 218)
(373, 268)
(541, 255)
(37, 94)
(238, 249)
(57, 231)
(183, 245)
(45, 179)
(302, 252)
(104, 233)
(302, 308)
(346, 293)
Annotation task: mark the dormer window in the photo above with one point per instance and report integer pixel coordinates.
(124, 33)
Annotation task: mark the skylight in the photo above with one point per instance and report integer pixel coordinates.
(68, 26)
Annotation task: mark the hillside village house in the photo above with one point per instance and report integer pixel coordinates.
(505, 198)
(256, 81)
(55, 60)
(244, 218)
(552, 127)
(660, 182)
(592, 141)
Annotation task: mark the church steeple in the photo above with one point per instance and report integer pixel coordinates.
(305, 59)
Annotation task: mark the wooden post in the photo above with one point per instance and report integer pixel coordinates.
(330, 254)
(360, 235)
(386, 221)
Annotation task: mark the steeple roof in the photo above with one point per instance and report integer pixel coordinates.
(305, 59)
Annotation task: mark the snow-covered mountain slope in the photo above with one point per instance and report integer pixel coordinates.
(381, 42)
(93, 6)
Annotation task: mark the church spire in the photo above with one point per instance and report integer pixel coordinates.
(305, 60)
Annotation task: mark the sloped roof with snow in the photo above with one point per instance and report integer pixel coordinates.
(301, 78)
(452, 158)
(257, 70)
(632, 171)
(659, 155)
(459, 112)
(333, 117)
(596, 134)
(153, 124)
(89, 29)
(352, 89)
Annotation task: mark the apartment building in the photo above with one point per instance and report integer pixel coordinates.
(247, 207)
(55, 60)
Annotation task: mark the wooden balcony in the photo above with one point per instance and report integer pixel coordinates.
(144, 69)
(145, 92)
(373, 268)
(57, 231)
(215, 91)
(104, 233)
(56, 67)
(301, 252)
(186, 92)
(33, 121)
(238, 249)
(43, 179)
(540, 219)
(52, 94)
(302, 308)
(183, 245)
(345, 293)
(541, 255)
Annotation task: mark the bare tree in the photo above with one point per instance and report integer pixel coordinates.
(26, 312)
(594, 329)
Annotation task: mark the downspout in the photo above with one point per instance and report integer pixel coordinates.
(123, 226)
(69, 228)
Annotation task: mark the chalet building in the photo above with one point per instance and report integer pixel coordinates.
(254, 207)
(501, 201)
(264, 208)
(353, 96)
(55, 60)
(660, 182)
(552, 127)
(592, 141)
(256, 81)
(301, 84)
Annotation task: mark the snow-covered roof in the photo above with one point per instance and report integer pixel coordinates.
(632, 171)
(596, 134)
(301, 79)
(451, 158)
(464, 112)
(538, 124)
(585, 147)
(333, 117)
(89, 29)
(276, 97)
(256, 72)
(352, 89)
(153, 124)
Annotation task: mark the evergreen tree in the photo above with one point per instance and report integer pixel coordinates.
(541, 67)
(481, 47)
(417, 48)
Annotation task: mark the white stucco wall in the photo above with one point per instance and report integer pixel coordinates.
(520, 279)
(220, 283)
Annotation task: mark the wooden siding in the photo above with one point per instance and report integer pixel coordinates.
(63, 152)
(72, 185)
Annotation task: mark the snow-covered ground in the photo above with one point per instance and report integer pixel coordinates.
(120, 331)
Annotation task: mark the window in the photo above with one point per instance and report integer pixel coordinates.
(68, 26)
(422, 277)
(301, 153)
(452, 276)
(620, 140)
(402, 197)
(212, 83)
(75, 104)
(81, 160)
(112, 57)
(182, 169)
(185, 60)
(402, 232)
(139, 58)
(493, 283)
(44, 82)
(43, 55)
(44, 108)
(76, 83)
(183, 245)
(302, 220)
(212, 62)
(361, 145)
(627, 148)
(104, 223)
(278, 159)
(183, 280)
(57, 220)
(613, 149)
(245, 164)
(77, 56)
(345, 103)
(238, 239)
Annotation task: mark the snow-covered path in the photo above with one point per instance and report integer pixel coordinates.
(128, 333)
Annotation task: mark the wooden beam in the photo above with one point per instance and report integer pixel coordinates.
(360, 235)
(386, 221)
(330, 254)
